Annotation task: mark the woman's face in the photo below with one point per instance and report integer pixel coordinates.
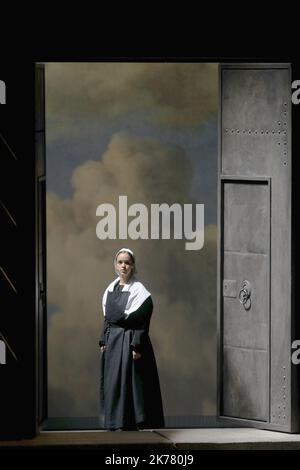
(124, 266)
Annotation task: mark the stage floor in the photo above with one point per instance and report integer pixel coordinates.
(162, 439)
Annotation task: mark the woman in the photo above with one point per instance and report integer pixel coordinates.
(130, 390)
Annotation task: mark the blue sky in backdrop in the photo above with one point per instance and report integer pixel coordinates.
(148, 131)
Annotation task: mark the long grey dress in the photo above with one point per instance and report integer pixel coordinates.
(130, 393)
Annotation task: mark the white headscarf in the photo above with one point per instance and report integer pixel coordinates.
(137, 294)
(125, 249)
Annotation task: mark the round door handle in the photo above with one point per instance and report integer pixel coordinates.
(245, 294)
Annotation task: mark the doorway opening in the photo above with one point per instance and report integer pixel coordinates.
(156, 134)
(147, 131)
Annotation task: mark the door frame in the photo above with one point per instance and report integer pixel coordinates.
(228, 420)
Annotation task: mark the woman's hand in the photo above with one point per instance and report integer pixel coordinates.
(136, 355)
(102, 348)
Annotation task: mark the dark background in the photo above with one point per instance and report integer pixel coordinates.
(18, 417)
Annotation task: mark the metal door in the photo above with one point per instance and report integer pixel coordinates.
(254, 268)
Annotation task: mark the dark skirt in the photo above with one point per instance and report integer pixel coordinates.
(130, 393)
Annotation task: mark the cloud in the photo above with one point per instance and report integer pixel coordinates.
(80, 266)
(168, 94)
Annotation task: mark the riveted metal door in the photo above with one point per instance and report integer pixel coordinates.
(254, 273)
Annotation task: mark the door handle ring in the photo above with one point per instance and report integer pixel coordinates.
(245, 295)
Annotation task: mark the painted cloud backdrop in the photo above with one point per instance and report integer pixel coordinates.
(147, 131)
